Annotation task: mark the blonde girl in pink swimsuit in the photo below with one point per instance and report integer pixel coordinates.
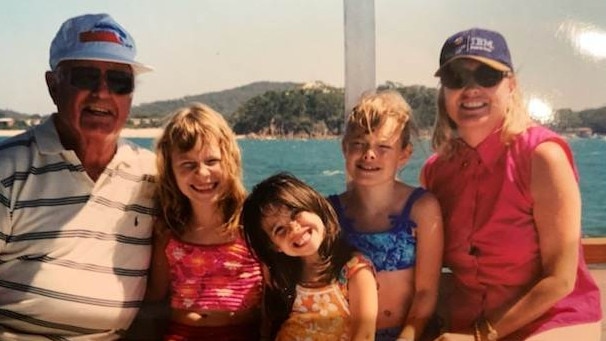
(200, 258)
(319, 288)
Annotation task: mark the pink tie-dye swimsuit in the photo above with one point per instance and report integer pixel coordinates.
(213, 277)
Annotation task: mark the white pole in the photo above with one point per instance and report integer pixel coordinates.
(359, 50)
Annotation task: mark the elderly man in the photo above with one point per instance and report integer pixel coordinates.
(76, 200)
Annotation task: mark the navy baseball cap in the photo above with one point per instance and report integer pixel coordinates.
(486, 46)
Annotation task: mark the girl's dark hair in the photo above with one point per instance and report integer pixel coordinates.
(284, 189)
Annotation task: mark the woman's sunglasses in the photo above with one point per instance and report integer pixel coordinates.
(484, 76)
(89, 78)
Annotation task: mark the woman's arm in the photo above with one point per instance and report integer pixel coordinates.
(363, 304)
(428, 268)
(158, 280)
(557, 215)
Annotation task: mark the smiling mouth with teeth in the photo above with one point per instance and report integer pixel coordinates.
(366, 168)
(473, 105)
(97, 111)
(203, 188)
(303, 239)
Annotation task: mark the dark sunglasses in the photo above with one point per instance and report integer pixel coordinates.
(89, 78)
(484, 76)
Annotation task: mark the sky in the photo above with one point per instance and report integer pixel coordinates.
(197, 46)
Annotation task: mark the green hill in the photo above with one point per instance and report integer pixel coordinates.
(226, 102)
(288, 108)
(16, 115)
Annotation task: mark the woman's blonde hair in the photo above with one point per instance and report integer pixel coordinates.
(186, 128)
(373, 110)
(517, 119)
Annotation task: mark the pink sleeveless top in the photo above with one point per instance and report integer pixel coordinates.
(491, 242)
(213, 277)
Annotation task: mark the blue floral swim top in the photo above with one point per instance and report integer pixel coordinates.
(394, 249)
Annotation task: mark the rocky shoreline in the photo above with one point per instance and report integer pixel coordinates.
(126, 132)
(155, 132)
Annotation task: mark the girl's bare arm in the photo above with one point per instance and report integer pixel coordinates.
(363, 305)
(428, 268)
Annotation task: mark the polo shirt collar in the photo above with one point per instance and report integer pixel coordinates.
(126, 153)
(49, 143)
(47, 137)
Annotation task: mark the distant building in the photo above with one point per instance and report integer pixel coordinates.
(6, 122)
(33, 121)
(135, 121)
(144, 122)
(579, 132)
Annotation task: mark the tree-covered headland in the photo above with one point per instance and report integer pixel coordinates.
(312, 110)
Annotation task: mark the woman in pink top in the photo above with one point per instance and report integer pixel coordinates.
(511, 203)
(200, 258)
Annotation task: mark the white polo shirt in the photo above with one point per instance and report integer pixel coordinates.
(74, 253)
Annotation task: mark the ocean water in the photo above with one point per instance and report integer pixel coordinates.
(319, 163)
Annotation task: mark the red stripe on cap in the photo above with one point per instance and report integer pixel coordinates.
(105, 36)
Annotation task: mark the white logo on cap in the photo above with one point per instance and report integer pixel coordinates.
(482, 44)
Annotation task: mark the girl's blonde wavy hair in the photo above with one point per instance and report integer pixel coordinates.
(186, 128)
(517, 119)
(373, 110)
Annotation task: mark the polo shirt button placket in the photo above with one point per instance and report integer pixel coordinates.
(474, 250)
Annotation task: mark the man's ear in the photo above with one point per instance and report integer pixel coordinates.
(52, 85)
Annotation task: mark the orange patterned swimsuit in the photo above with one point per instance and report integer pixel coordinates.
(322, 314)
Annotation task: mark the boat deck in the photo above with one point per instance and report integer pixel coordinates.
(595, 256)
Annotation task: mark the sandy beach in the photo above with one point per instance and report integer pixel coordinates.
(126, 132)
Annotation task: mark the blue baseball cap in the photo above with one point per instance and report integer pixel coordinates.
(486, 46)
(94, 37)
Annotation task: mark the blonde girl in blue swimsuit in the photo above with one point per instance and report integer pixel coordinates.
(397, 226)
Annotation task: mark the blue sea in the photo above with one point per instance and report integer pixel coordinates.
(319, 163)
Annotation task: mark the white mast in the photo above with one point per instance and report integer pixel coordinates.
(359, 50)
